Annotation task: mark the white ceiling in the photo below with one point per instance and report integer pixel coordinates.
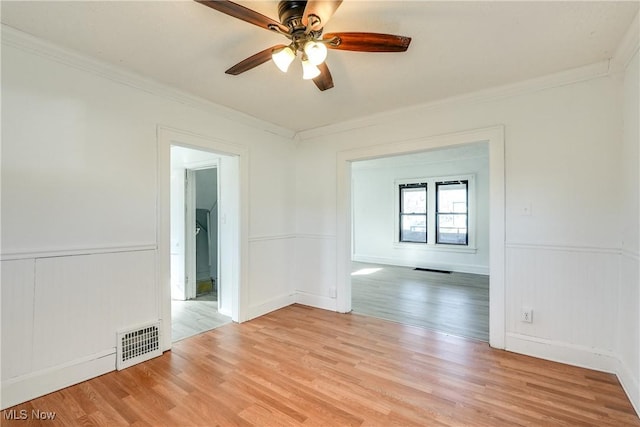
(456, 48)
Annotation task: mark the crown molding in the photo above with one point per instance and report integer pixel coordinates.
(563, 78)
(628, 46)
(31, 44)
(17, 39)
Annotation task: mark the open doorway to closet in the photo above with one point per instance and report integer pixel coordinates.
(197, 294)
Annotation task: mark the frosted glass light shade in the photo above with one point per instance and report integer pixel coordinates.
(316, 52)
(283, 57)
(309, 71)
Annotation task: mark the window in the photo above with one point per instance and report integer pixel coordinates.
(413, 213)
(436, 212)
(452, 214)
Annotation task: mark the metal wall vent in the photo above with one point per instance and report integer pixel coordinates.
(137, 345)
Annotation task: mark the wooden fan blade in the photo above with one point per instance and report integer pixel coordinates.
(245, 14)
(323, 9)
(253, 61)
(324, 81)
(367, 42)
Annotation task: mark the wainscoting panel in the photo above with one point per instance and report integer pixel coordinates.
(270, 272)
(573, 293)
(60, 316)
(18, 281)
(315, 270)
(80, 303)
(629, 326)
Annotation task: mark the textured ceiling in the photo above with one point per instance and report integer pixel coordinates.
(457, 47)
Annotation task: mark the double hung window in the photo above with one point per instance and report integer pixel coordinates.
(452, 212)
(413, 213)
(435, 211)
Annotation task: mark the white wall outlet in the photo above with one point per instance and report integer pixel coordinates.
(526, 315)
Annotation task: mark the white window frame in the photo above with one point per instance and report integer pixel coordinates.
(431, 244)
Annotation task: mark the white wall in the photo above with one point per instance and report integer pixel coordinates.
(628, 336)
(562, 158)
(79, 210)
(374, 200)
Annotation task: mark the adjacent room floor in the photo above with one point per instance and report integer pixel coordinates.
(192, 317)
(455, 303)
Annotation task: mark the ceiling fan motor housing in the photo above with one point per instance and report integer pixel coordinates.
(290, 13)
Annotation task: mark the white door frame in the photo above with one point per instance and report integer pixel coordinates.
(237, 219)
(494, 136)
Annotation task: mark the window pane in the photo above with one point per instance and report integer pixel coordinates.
(413, 228)
(452, 229)
(413, 200)
(452, 198)
(452, 210)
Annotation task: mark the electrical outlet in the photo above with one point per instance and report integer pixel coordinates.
(526, 315)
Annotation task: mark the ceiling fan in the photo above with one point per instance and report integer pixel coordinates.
(302, 23)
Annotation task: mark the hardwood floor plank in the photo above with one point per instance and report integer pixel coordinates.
(301, 366)
(263, 397)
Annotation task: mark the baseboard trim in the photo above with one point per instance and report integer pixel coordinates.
(630, 385)
(316, 301)
(270, 305)
(556, 351)
(585, 357)
(459, 268)
(30, 386)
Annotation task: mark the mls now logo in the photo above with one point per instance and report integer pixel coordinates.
(23, 414)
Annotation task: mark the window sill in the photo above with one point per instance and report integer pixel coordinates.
(430, 247)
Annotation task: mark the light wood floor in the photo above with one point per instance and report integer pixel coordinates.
(305, 366)
(192, 317)
(456, 303)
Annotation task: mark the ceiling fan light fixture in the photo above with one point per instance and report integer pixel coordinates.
(302, 22)
(315, 51)
(309, 70)
(283, 57)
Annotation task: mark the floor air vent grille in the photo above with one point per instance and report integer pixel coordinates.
(137, 345)
(432, 270)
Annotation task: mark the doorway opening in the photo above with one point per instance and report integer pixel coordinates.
(420, 239)
(198, 296)
(494, 137)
